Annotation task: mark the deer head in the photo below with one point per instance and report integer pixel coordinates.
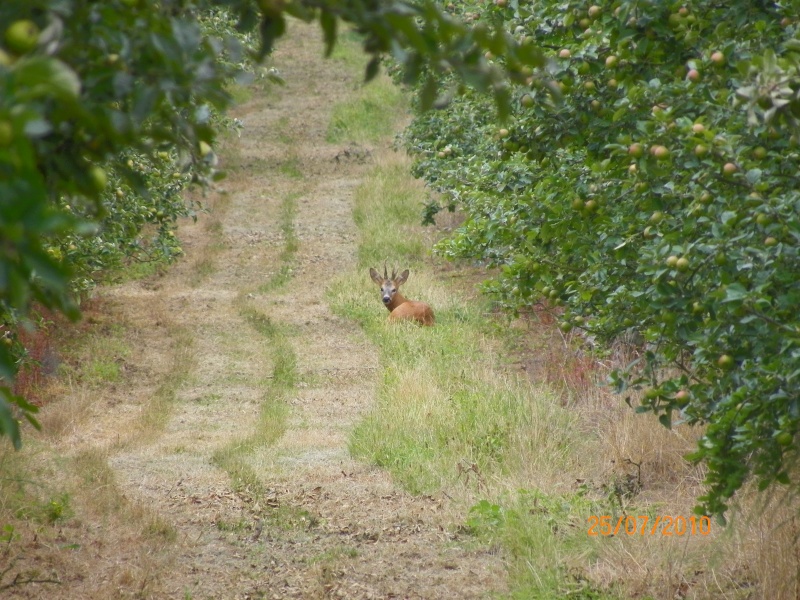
(389, 285)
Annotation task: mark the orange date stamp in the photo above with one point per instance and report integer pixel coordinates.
(644, 525)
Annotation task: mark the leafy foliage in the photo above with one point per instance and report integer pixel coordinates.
(658, 199)
(106, 112)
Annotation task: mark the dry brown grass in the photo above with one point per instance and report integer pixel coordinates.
(639, 465)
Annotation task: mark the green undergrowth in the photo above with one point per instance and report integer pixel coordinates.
(369, 114)
(449, 417)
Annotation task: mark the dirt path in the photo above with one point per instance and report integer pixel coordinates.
(319, 524)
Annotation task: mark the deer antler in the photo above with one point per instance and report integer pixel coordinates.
(385, 276)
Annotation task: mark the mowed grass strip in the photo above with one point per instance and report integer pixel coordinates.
(233, 458)
(271, 424)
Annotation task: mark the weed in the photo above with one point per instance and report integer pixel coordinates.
(334, 555)
(231, 526)
(160, 529)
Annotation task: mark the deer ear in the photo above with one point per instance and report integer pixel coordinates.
(402, 279)
(375, 277)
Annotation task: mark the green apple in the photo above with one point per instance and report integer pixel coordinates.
(725, 361)
(98, 178)
(636, 150)
(22, 36)
(6, 133)
(661, 152)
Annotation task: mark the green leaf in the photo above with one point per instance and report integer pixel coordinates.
(735, 292)
(8, 424)
(44, 77)
(328, 22)
(372, 69)
(272, 27)
(427, 95)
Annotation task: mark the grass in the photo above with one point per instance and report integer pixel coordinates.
(387, 213)
(55, 507)
(370, 114)
(96, 358)
(334, 555)
(291, 167)
(159, 408)
(204, 258)
(286, 217)
(271, 423)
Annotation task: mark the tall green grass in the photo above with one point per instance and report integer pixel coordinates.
(370, 114)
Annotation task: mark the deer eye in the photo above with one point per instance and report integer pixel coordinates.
(394, 290)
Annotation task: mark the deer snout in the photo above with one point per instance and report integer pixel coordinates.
(387, 299)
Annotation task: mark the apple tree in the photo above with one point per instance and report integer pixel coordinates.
(648, 186)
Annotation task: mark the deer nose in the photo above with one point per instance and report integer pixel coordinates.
(386, 299)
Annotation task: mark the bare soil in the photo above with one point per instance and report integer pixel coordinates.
(328, 525)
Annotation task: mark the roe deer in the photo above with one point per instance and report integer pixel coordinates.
(399, 307)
